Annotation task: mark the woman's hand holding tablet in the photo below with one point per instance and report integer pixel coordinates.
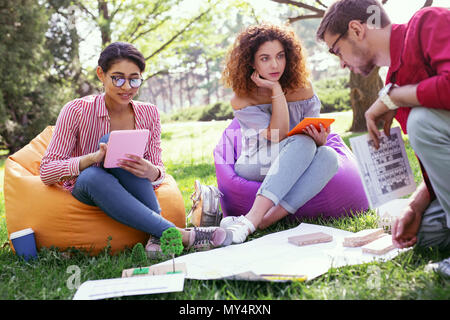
(122, 143)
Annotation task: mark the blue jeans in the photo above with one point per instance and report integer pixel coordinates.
(298, 171)
(123, 196)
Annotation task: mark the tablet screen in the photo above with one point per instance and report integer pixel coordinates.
(122, 142)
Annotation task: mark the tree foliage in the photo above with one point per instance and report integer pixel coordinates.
(33, 68)
(138, 255)
(172, 243)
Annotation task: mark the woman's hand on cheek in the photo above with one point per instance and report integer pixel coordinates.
(263, 83)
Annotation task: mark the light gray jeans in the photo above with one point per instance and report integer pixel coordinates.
(429, 135)
(292, 171)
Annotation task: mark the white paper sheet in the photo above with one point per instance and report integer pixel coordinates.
(109, 288)
(385, 173)
(273, 254)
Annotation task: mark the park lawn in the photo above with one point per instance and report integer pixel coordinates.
(187, 153)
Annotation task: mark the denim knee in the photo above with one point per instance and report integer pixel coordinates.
(329, 158)
(93, 176)
(104, 139)
(303, 142)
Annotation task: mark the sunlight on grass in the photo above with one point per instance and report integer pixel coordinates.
(191, 142)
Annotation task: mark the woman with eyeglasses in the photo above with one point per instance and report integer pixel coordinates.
(78, 147)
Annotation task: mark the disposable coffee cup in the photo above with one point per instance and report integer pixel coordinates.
(24, 243)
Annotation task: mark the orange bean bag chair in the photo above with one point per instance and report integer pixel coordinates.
(58, 219)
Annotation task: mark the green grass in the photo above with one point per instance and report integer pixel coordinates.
(187, 153)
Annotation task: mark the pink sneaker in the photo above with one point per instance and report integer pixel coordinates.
(153, 248)
(205, 238)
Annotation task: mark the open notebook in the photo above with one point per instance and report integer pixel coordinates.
(386, 173)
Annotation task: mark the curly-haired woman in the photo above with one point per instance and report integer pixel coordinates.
(266, 68)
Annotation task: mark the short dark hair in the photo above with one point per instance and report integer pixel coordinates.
(120, 51)
(341, 12)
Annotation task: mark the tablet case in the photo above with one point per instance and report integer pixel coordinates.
(122, 142)
(307, 121)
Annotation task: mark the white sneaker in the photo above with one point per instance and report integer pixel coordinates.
(241, 229)
(228, 221)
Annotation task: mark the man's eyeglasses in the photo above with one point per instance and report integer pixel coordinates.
(335, 42)
(120, 81)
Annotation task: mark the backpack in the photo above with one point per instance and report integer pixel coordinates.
(205, 211)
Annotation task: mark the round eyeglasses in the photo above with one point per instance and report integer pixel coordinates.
(120, 81)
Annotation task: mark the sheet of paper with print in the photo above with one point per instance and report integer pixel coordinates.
(386, 173)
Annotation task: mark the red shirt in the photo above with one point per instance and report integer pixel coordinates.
(420, 54)
(80, 125)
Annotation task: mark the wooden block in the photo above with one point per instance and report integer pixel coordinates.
(310, 238)
(380, 246)
(362, 237)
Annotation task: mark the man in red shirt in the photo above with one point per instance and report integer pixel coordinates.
(417, 94)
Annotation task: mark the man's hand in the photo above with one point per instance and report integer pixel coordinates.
(405, 228)
(378, 111)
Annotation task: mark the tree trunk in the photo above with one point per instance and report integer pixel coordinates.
(363, 93)
(208, 83)
(169, 81)
(181, 90)
(188, 88)
(105, 22)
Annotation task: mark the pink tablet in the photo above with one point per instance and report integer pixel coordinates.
(122, 142)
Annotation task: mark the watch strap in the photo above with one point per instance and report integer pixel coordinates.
(388, 102)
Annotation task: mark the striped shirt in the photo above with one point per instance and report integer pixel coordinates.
(79, 127)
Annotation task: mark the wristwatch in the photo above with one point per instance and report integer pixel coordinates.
(384, 96)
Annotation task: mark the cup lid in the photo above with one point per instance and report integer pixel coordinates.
(21, 233)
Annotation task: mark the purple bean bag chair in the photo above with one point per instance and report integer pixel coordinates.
(343, 195)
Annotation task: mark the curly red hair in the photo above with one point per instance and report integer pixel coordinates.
(240, 58)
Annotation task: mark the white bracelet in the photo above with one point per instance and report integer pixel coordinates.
(278, 95)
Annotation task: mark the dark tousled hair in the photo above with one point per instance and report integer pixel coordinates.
(341, 12)
(120, 51)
